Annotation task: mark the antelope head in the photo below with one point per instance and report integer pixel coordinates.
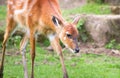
(68, 34)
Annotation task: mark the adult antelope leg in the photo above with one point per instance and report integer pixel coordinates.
(23, 45)
(32, 52)
(10, 27)
(56, 46)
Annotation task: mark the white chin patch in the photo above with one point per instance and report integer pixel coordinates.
(71, 50)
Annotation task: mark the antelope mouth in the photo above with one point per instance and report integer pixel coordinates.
(74, 50)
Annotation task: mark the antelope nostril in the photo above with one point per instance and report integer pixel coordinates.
(77, 50)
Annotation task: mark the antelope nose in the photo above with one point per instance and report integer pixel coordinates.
(77, 50)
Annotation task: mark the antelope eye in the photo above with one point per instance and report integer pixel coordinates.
(69, 35)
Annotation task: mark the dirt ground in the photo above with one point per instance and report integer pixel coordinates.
(94, 49)
(85, 48)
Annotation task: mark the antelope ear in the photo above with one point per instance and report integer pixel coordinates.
(76, 20)
(56, 21)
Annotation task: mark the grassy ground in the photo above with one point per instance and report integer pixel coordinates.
(2, 12)
(47, 64)
(2, 18)
(87, 9)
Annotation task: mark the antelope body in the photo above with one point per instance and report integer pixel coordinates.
(39, 16)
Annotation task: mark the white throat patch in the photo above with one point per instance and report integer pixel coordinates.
(51, 37)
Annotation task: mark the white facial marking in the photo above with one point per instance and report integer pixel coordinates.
(67, 33)
(71, 50)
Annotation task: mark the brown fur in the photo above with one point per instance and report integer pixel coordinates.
(36, 17)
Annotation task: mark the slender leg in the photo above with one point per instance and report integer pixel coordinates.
(23, 45)
(56, 46)
(10, 27)
(32, 45)
(3, 56)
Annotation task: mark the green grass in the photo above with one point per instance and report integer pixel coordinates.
(2, 18)
(47, 65)
(88, 9)
(2, 12)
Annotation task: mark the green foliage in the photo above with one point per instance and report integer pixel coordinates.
(96, 1)
(113, 45)
(46, 42)
(82, 32)
(0, 44)
(14, 41)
